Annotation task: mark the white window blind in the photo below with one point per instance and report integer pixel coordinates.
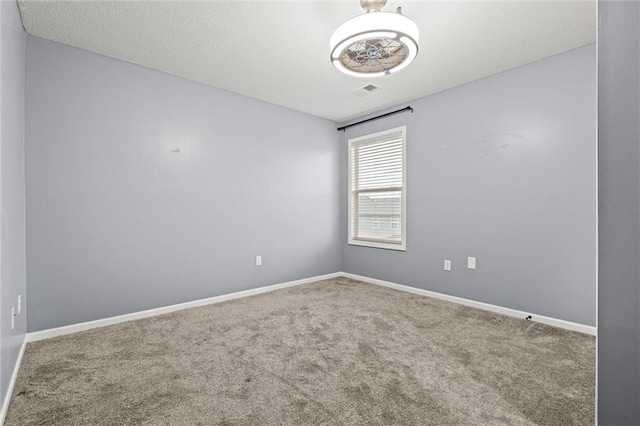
(376, 181)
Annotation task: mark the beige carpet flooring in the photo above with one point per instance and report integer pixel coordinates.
(335, 352)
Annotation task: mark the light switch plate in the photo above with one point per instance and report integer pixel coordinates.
(471, 262)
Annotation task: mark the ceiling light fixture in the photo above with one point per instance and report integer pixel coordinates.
(375, 43)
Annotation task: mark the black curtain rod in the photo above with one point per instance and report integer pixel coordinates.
(344, 128)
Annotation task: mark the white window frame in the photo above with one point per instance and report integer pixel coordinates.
(376, 244)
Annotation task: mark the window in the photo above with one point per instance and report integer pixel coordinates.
(375, 222)
(377, 190)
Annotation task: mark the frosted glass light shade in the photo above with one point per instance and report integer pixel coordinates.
(374, 44)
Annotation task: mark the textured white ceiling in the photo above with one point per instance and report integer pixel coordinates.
(279, 51)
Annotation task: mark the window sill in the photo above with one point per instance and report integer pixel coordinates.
(373, 244)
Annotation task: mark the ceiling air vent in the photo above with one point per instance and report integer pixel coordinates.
(366, 90)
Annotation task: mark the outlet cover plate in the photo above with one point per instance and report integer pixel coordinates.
(447, 265)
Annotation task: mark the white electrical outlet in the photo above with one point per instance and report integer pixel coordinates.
(258, 260)
(471, 262)
(447, 265)
(19, 304)
(13, 317)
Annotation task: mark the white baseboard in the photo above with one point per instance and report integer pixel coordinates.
(581, 328)
(75, 328)
(12, 383)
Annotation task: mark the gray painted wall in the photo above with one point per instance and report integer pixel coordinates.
(12, 197)
(503, 169)
(619, 214)
(117, 222)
